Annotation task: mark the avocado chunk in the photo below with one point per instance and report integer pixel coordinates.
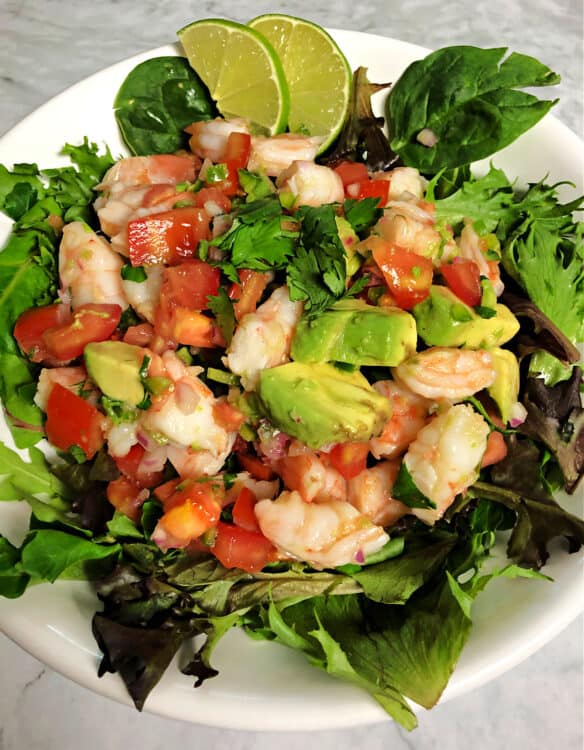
(115, 367)
(505, 388)
(320, 404)
(356, 333)
(444, 320)
(349, 239)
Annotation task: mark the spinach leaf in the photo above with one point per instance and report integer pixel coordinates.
(470, 101)
(156, 101)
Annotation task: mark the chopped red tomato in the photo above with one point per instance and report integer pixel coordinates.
(226, 415)
(164, 491)
(243, 511)
(235, 547)
(132, 467)
(237, 150)
(374, 189)
(463, 278)
(140, 335)
(351, 172)
(89, 323)
(230, 184)
(349, 459)
(256, 467)
(193, 328)
(212, 195)
(31, 325)
(190, 510)
(167, 237)
(126, 496)
(408, 275)
(496, 449)
(72, 421)
(189, 284)
(248, 292)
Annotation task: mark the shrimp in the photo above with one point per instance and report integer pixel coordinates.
(262, 488)
(73, 378)
(324, 534)
(144, 296)
(306, 473)
(262, 339)
(310, 184)
(411, 226)
(370, 493)
(445, 457)
(275, 154)
(408, 415)
(405, 183)
(121, 437)
(470, 247)
(167, 169)
(183, 416)
(446, 373)
(209, 137)
(89, 268)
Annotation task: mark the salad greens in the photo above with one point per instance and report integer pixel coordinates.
(468, 103)
(394, 624)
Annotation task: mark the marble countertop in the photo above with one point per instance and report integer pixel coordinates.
(45, 46)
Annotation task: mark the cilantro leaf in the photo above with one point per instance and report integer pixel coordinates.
(363, 214)
(222, 308)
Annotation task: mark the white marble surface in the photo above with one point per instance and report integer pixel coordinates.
(45, 46)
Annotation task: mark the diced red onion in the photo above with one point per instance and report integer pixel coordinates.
(518, 415)
(427, 137)
(145, 440)
(153, 459)
(213, 208)
(359, 556)
(273, 447)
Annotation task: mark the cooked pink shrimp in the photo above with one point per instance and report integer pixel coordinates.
(405, 183)
(144, 296)
(410, 226)
(183, 416)
(447, 373)
(370, 493)
(470, 246)
(88, 268)
(310, 184)
(409, 413)
(306, 473)
(324, 534)
(73, 378)
(209, 137)
(262, 489)
(167, 169)
(275, 154)
(262, 339)
(445, 457)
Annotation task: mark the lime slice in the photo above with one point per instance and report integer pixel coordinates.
(318, 74)
(241, 70)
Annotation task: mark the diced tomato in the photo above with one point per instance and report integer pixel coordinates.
(351, 172)
(31, 325)
(193, 328)
(249, 292)
(190, 510)
(184, 523)
(89, 323)
(167, 237)
(256, 467)
(72, 421)
(349, 459)
(189, 284)
(235, 547)
(243, 511)
(212, 195)
(164, 491)
(226, 415)
(374, 189)
(496, 449)
(229, 185)
(126, 496)
(463, 278)
(237, 150)
(131, 466)
(408, 275)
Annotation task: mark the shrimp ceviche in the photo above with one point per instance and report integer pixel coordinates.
(295, 391)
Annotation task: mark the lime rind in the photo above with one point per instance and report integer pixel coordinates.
(242, 71)
(315, 67)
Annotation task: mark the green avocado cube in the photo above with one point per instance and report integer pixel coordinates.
(320, 404)
(114, 366)
(356, 333)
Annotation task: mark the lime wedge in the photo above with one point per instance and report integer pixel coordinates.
(318, 74)
(241, 70)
